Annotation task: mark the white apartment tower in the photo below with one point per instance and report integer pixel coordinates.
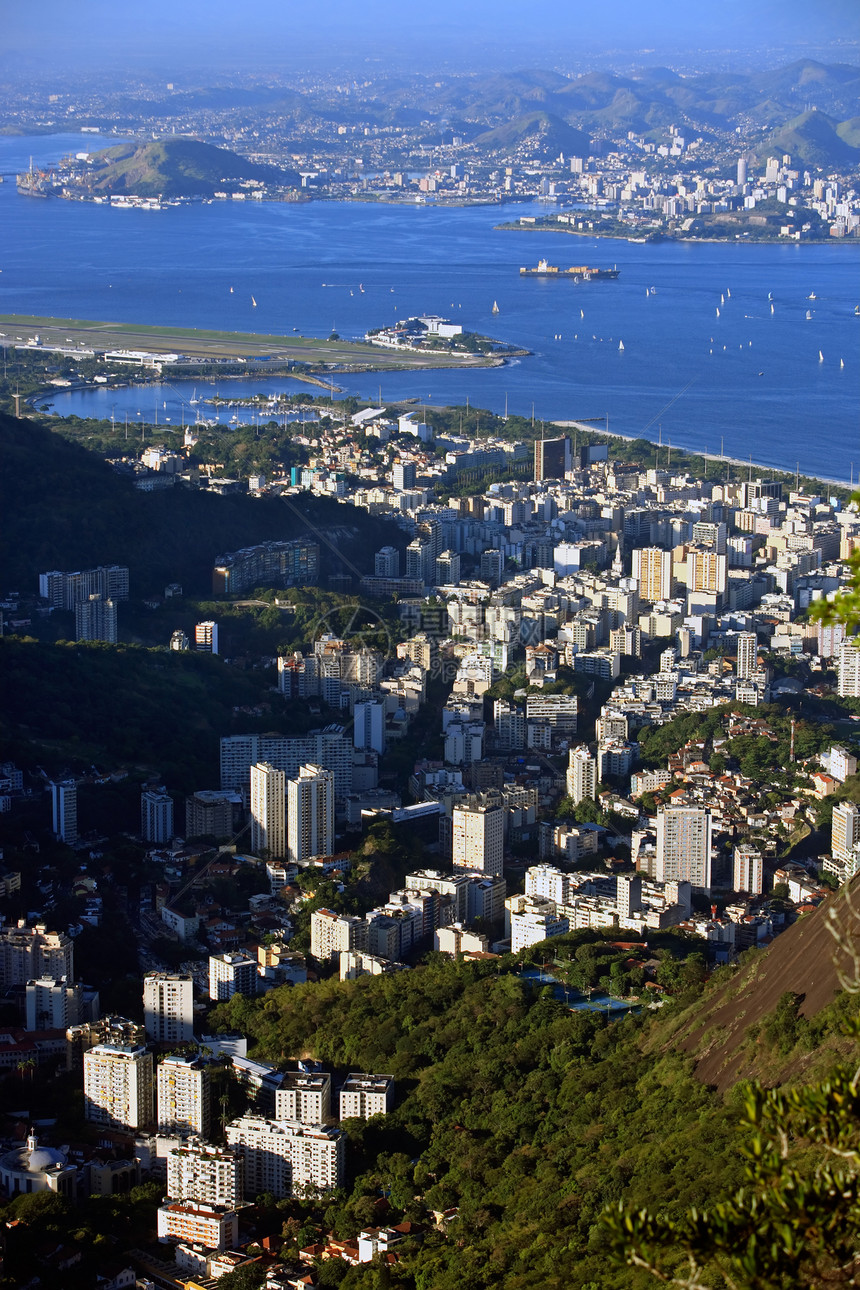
(198, 1171)
(334, 934)
(64, 811)
(305, 1097)
(849, 670)
(478, 836)
(684, 846)
(28, 953)
(206, 637)
(747, 870)
(268, 811)
(362, 1096)
(581, 775)
(747, 654)
(182, 1097)
(652, 570)
(845, 833)
(231, 974)
(156, 816)
(286, 1158)
(168, 1008)
(118, 1086)
(310, 814)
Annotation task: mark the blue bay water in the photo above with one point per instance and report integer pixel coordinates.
(750, 382)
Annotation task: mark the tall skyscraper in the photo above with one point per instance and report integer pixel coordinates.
(28, 953)
(581, 775)
(268, 811)
(310, 814)
(64, 811)
(747, 654)
(684, 846)
(118, 1086)
(182, 1090)
(478, 834)
(168, 1007)
(652, 570)
(156, 815)
(95, 619)
(369, 727)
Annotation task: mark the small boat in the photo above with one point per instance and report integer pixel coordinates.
(621, 346)
(812, 296)
(770, 295)
(718, 313)
(496, 307)
(194, 399)
(842, 362)
(231, 291)
(582, 313)
(653, 291)
(361, 287)
(808, 315)
(771, 309)
(722, 300)
(728, 293)
(820, 357)
(253, 303)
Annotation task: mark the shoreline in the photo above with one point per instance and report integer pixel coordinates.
(705, 455)
(736, 239)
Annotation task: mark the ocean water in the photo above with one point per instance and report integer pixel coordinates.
(778, 385)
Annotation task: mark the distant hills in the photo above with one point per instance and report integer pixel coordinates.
(815, 139)
(546, 133)
(178, 167)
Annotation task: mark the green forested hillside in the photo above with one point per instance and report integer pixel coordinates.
(62, 507)
(528, 1118)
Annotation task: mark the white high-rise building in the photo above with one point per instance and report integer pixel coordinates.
(268, 811)
(231, 974)
(168, 1007)
(845, 834)
(156, 816)
(286, 1158)
(581, 775)
(369, 728)
(747, 654)
(478, 835)
(747, 870)
(652, 570)
(54, 1004)
(198, 1171)
(684, 846)
(849, 670)
(118, 1086)
(182, 1096)
(305, 1097)
(334, 934)
(64, 811)
(310, 814)
(95, 619)
(206, 637)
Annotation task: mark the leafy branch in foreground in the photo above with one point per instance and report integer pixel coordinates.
(796, 1219)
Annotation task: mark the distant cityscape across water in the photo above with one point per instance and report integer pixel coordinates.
(749, 350)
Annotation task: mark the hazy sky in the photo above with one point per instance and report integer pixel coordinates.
(292, 34)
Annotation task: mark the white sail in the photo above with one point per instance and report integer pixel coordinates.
(621, 346)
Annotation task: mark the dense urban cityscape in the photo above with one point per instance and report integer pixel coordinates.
(429, 837)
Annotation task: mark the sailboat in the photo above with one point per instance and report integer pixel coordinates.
(231, 291)
(842, 362)
(770, 295)
(582, 313)
(495, 306)
(621, 346)
(718, 313)
(722, 300)
(728, 293)
(253, 302)
(820, 357)
(808, 315)
(194, 399)
(361, 287)
(771, 309)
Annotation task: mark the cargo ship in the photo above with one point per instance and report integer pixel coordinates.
(579, 272)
